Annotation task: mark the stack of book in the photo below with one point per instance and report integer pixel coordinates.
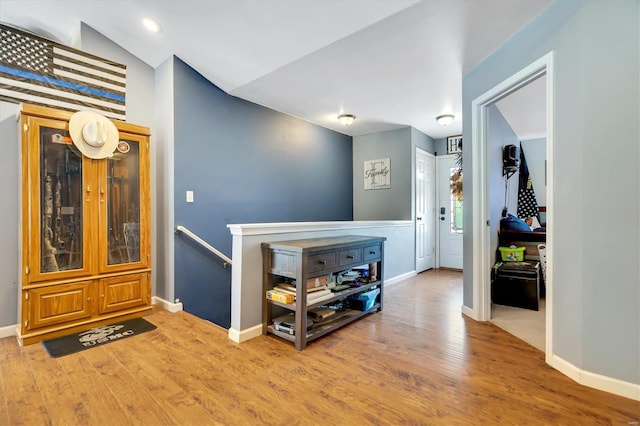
(314, 294)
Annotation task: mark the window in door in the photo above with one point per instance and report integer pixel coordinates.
(455, 183)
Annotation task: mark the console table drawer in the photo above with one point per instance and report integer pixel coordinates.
(322, 261)
(322, 258)
(372, 252)
(283, 263)
(347, 257)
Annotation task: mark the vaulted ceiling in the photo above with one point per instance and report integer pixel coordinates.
(392, 63)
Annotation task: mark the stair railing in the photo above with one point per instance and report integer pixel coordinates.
(203, 243)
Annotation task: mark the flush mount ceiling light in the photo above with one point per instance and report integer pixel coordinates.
(445, 119)
(151, 25)
(346, 119)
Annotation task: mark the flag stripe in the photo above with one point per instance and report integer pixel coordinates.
(111, 67)
(46, 90)
(24, 80)
(33, 69)
(79, 69)
(18, 91)
(89, 82)
(61, 83)
(18, 97)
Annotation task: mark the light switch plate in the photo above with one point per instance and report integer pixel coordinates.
(189, 196)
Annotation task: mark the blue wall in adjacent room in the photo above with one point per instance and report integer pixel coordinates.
(246, 164)
(499, 135)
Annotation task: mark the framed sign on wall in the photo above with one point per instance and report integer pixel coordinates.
(377, 174)
(454, 144)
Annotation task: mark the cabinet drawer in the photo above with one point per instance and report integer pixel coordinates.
(123, 292)
(59, 304)
(283, 263)
(347, 257)
(322, 261)
(372, 252)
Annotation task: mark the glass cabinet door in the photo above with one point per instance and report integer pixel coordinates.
(55, 188)
(122, 221)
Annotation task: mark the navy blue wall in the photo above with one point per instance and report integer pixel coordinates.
(246, 164)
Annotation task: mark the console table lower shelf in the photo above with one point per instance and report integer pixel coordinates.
(348, 268)
(341, 319)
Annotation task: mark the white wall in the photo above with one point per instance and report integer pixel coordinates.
(246, 286)
(9, 214)
(164, 205)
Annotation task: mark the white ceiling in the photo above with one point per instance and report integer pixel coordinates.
(525, 110)
(392, 63)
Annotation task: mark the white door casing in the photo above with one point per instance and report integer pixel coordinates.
(425, 210)
(450, 247)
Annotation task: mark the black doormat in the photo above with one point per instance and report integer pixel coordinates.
(96, 337)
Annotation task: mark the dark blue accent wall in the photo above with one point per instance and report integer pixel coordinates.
(246, 164)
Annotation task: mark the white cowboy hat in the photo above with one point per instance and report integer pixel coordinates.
(93, 134)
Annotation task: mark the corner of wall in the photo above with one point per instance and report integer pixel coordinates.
(8, 331)
(166, 305)
(164, 178)
(593, 380)
(240, 336)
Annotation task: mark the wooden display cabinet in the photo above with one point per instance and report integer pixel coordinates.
(301, 260)
(85, 228)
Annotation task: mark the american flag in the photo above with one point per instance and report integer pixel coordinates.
(527, 203)
(39, 71)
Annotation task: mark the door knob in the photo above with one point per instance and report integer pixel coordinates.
(418, 218)
(441, 217)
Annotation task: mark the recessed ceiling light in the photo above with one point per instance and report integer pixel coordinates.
(151, 25)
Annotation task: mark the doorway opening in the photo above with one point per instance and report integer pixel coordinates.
(519, 189)
(482, 227)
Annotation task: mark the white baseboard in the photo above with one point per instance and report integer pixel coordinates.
(246, 334)
(398, 278)
(471, 313)
(165, 304)
(596, 381)
(586, 378)
(8, 331)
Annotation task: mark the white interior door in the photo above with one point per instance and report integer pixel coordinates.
(449, 215)
(425, 210)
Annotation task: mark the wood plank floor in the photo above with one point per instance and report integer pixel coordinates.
(418, 362)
